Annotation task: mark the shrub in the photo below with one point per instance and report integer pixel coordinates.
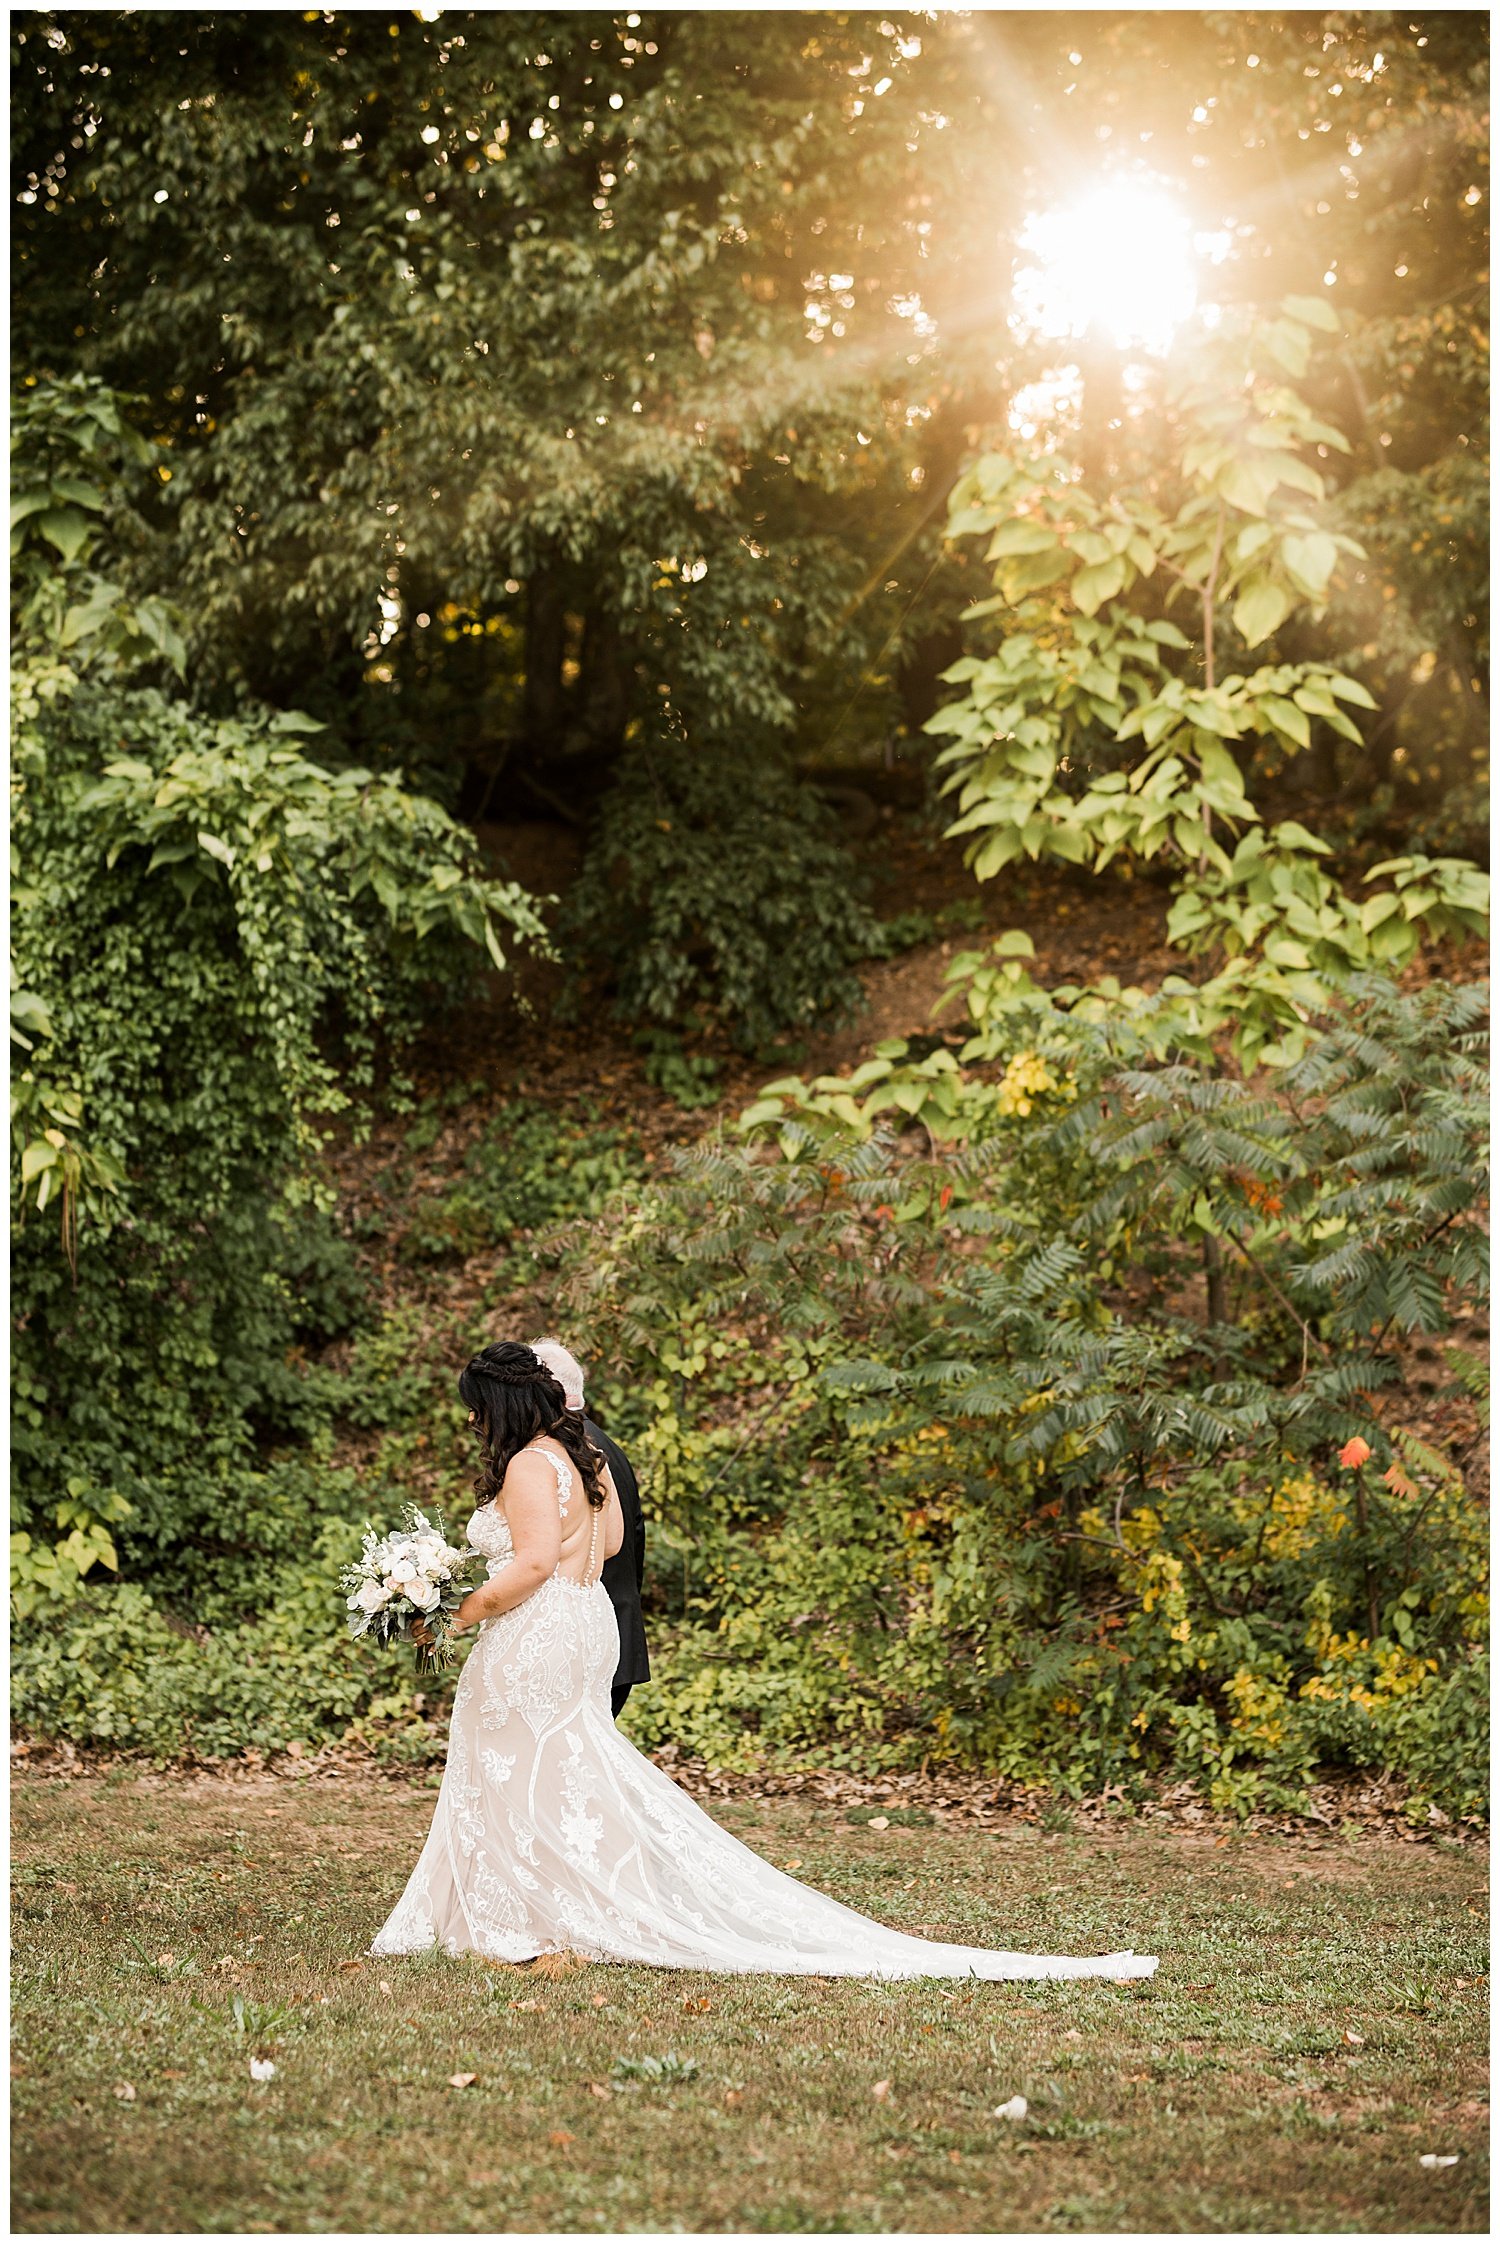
(715, 892)
(530, 1169)
(220, 942)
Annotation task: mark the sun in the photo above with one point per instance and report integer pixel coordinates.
(1119, 264)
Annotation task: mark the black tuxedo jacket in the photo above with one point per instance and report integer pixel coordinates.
(623, 1574)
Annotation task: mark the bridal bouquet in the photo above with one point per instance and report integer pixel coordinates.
(410, 1579)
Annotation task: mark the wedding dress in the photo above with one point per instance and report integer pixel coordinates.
(552, 1832)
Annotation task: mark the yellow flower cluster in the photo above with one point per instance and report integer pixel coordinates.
(1027, 1078)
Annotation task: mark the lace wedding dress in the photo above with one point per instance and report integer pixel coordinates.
(552, 1832)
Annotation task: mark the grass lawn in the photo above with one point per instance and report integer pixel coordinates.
(1318, 2023)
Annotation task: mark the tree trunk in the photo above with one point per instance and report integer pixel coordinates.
(601, 693)
(542, 696)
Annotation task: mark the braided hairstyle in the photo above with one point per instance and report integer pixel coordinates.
(514, 1398)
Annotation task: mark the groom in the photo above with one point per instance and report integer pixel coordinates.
(621, 1575)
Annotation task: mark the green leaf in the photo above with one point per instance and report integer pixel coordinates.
(216, 848)
(82, 494)
(1312, 311)
(1260, 609)
(37, 1157)
(1019, 537)
(1310, 559)
(65, 528)
(1290, 834)
(1287, 343)
(1287, 718)
(1247, 485)
(1096, 584)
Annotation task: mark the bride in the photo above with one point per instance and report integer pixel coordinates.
(551, 1831)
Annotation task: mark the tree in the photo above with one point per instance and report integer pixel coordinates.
(583, 342)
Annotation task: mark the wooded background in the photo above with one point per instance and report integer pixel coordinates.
(432, 432)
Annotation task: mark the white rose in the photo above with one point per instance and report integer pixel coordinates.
(392, 1586)
(404, 1567)
(428, 1551)
(424, 1595)
(370, 1596)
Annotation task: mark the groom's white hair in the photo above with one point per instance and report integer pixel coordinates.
(564, 1367)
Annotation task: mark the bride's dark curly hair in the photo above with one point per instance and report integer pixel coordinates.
(514, 1398)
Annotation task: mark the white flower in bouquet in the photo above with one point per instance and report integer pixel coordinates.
(404, 1580)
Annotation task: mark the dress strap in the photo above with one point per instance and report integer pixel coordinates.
(563, 1474)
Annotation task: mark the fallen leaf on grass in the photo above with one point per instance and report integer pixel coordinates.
(560, 2138)
(462, 2080)
(167, 1962)
(881, 2091)
(1016, 2108)
(794, 1864)
(878, 1823)
(261, 2068)
(174, 2076)
(386, 1988)
(530, 2003)
(1430, 2159)
(125, 2090)
(696, 2002)
(733, 2098)
(1199, 1987)
(352, 1963)
(600, 2002)
(1355, 2041)
(1072, 2034)
(598, 2088)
